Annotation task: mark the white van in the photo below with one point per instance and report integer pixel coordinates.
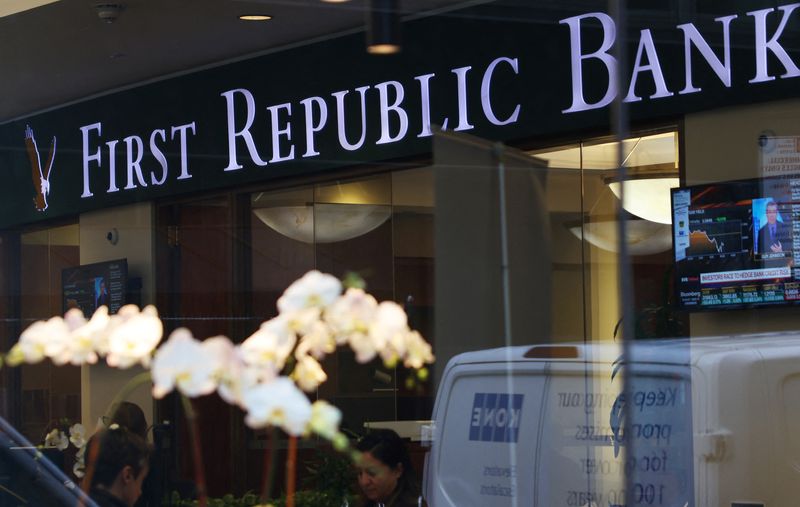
(714, 422)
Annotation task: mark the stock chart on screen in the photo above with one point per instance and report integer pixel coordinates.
(736, 243)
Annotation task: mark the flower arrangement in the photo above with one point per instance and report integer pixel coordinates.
(315, 316)
(62, 436)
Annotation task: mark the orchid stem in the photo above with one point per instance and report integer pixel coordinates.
(291, 470)
(269, 464)
(199, 474)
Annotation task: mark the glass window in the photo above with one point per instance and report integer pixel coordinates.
(48, 393)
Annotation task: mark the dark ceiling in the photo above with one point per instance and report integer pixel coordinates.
(63, 52)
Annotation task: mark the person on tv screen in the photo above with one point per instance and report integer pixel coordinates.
(102, 295)
(775, 236)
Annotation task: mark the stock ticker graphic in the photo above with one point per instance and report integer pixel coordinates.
(715, 238)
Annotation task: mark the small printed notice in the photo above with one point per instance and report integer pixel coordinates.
(780, 156)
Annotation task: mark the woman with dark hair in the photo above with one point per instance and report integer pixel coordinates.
(385, 474)
(131, 416)
(119, 469)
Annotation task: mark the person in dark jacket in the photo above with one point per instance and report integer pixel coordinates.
(117, 467)
(385, 474)
(774, 237)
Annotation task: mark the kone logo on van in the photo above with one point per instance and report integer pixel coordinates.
(495, 417)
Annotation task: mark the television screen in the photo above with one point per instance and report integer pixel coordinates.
(93, 285)
(736, 243)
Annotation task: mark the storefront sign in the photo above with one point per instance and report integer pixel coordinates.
(144, 158)
(326, 106)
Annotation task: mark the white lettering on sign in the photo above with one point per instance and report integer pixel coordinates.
(242, 129)
(773, 45)
(136, 165)
(250, 101)
(341, 117)
(609, 35)
(463, 113)
(425, 94)
(486, 85)
(646, 45)
(386, 108)
(765, 42)
(312, 127)
(352, 135)
(159, 156)
(278, 132)
(692, 37)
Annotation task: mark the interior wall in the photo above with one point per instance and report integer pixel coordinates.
(723, 145)
(135, 232)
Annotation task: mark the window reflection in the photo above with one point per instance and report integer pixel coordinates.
(380, 228)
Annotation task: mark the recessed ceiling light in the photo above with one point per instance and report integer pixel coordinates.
(335, 1)
(383, 49)
(255, 17)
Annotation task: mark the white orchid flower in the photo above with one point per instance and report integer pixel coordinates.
(57, 347)
(269, 347)
(133, 336)
(87, 338)
(351, 315)
(363, 346)
(229, 369)
(278, 403)
(74, 319)
(57, 439)
(41, 339)
(77, 435)
(314, 289)
(318, 342)
(390, 320)
(308, 373)
(418, 351)
(300, 321)
(182, 362)
(79, 469)
(325, 419)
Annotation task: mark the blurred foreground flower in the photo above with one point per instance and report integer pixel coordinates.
(314, 317)
(278, 403)
(183, 362)
(133, 336)
(325, 419)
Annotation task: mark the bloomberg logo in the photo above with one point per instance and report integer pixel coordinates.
(495, 417)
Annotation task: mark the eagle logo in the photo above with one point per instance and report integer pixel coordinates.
(41, 175)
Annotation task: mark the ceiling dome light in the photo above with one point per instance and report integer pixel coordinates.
(255, 17)
(643, 237)
(647, 196)
(324, 222)
(383, 27)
